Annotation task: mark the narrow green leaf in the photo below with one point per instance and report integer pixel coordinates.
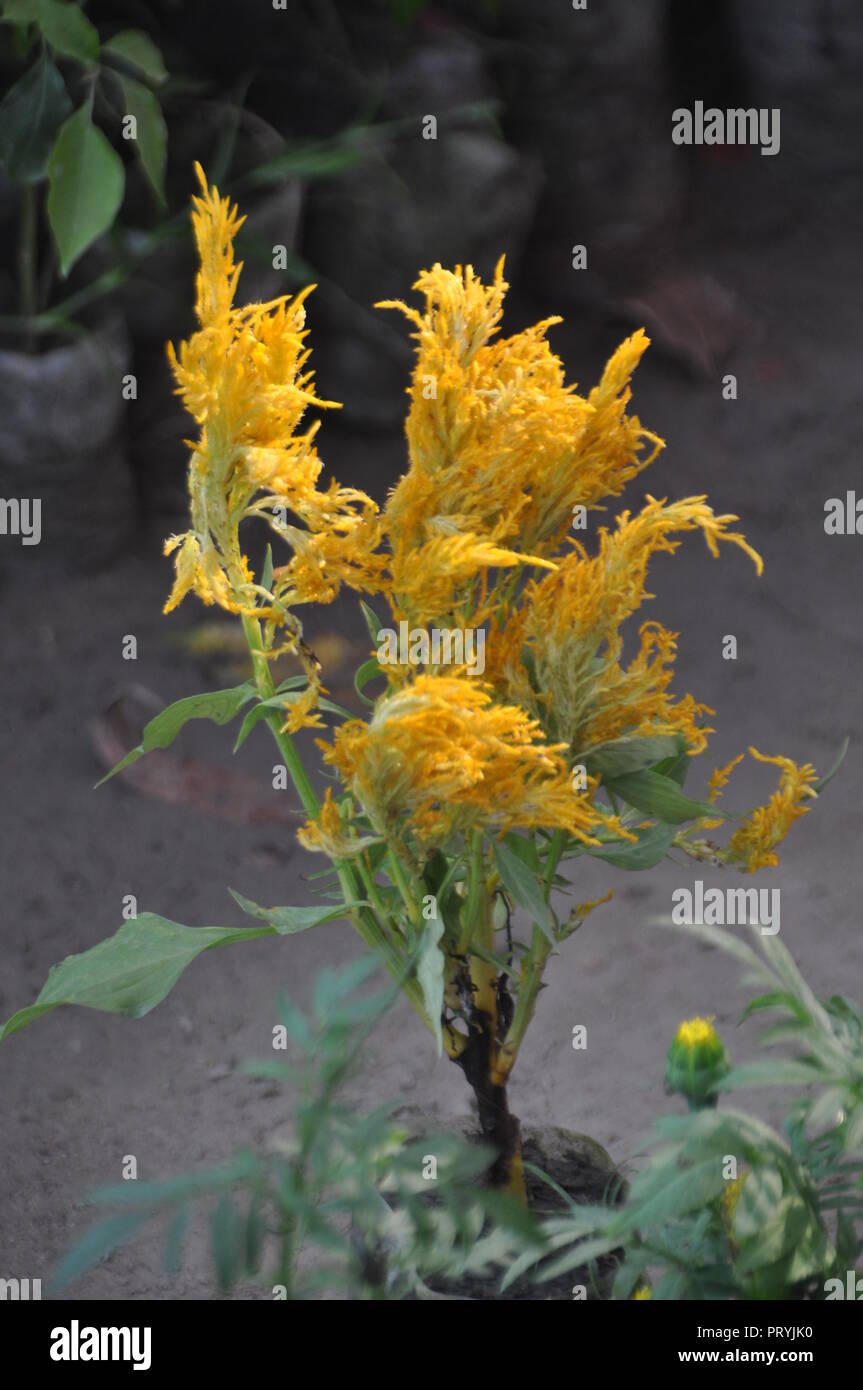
(132, 971)
(267, 571)
(31, 114)
(624, 755)
(220, 706)
(828, 776)
(135, 47)
(255, 1233)
(654, 842)
(656, 795)
(288, 920)
(86, 182)
(174, 1237)
(373, 622)
(775, 1000)
(100, 1241)
(771, 1071)
(367, 672)
(522, 884)
(227, 1243)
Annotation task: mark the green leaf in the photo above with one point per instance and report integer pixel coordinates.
(373, 622)
(522, 885)
(624, 755)
(367, 672)
(654, 842)
(267, 571)
(430, 974)
(151, 141)
(135, 47)
(31, 113)
(86, 182)
(777, 999)
(828, 776)
(96, 1245)
(68, 30)
(288, 920)
(132, 971)
(525, 850)
(227, 1242)
(771, 1071)
(220, 706)
(174, 1237)
(658, 1195)
(277, 702)
(660, 796)
(20, 11)
(255, 1233)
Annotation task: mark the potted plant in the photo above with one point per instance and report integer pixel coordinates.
(76, 98)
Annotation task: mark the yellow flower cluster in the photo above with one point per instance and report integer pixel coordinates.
(559, 653)
(442, 754)
(502, 451)
(754, 844)
(501, 448)
(243, 377)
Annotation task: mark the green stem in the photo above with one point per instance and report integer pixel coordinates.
(410, 894)
(476, 889)
(370, 929)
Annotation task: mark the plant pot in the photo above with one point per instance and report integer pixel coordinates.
(62, 443)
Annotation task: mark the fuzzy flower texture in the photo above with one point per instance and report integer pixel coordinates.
(503, 453)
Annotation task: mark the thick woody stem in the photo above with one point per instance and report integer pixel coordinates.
(497, 1122)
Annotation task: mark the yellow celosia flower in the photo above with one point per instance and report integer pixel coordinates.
(754, 844)
(501, 449)
(642, 1293)
(243, 376)
(559, 653)
(442, 756)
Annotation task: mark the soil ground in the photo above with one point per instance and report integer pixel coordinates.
(81, 1090)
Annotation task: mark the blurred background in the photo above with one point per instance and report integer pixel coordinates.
(551, 131)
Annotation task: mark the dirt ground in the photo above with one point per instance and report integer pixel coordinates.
(81, 1090)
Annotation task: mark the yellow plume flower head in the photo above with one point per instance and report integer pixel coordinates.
(501, 449)
(754, 844)
(559, 653)
(243, 376)
(441, 756)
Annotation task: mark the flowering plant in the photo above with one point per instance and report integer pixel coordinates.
(460, 798)
(723, 1205)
